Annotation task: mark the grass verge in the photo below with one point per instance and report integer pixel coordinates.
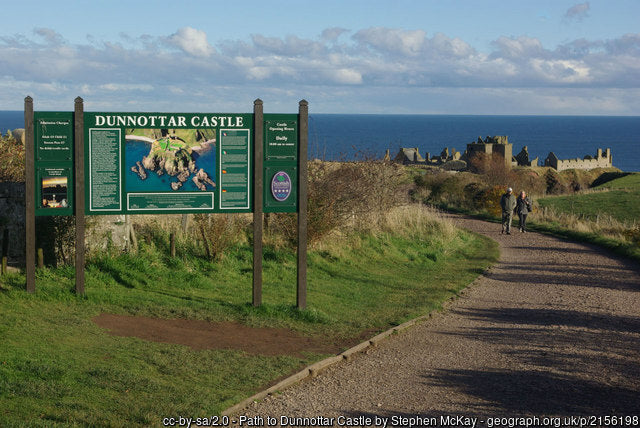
(622, 241)
(57, 368)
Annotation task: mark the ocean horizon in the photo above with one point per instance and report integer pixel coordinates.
(353, 136)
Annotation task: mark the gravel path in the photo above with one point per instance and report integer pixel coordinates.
(552, 330)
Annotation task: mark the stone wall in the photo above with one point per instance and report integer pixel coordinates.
(12, 218)
(102, 231)
(601, 160)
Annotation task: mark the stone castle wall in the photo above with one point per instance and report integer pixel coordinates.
(601, 160)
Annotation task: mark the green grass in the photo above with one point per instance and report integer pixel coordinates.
(622, 204)
(619, 199)
(626, 181)
(57, 368)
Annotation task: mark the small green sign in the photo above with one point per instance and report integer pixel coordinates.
(281, 139)
(54, 190)
(54, 137)
(280, 189)
(53, 162)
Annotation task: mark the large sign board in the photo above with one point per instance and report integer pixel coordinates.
(139, 163)
(150, 163)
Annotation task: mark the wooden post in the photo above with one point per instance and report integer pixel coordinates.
(78, 118)
(29, 197)
(172, 244)
(257, 200)
(40, 258)
(185, 223)
(5, 251)
(303, 136)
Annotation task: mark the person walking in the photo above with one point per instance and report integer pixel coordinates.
(508, 204)
(523, 208)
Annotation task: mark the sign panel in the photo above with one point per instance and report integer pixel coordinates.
(280, 163)
(53, 141)
(54, 137)
(235, 176)
(105, 173)
(281, 189)
(168, 162)
(281, 139)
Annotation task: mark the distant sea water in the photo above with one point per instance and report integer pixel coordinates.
(136, 150)
(347, 136)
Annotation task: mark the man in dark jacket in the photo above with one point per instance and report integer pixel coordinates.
(508, 204)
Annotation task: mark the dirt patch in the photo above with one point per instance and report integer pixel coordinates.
(201, 335)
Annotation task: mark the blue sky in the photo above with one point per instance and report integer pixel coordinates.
(450, 57)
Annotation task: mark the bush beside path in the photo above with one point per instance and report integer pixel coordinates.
(552, 330)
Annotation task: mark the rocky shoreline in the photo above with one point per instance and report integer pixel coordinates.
(182, 167)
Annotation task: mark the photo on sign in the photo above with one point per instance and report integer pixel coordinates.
(165, 160)
(54, 192)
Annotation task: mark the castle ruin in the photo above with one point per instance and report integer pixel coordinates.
(601, 160)
(498, 145)
(497, 148)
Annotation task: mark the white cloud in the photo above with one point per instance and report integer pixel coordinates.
(346, 76)
(372, 58)
(578, 12)
(192, 41)
(389, 40)
(50, 36)
(332, 34)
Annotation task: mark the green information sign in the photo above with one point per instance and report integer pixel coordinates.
(280, 173)
(168, 162)
(105, 171)
(235, 169)
(281, 139)
(53, 144)
(54, 137)
(165, 162)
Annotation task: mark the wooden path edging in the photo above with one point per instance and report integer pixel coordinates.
(314, 369)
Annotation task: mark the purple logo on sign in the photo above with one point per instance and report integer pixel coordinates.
(281, 186)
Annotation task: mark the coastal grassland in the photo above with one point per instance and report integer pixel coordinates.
(565, 203)
(607, 215)
(621, 204)
(58, 368)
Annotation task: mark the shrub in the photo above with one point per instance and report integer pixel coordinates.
(12, 159)
(347, 193)
(218, 232)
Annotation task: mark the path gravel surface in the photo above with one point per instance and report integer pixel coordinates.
(552, 330)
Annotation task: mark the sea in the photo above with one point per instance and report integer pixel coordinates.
(366, 136)
(136, 150)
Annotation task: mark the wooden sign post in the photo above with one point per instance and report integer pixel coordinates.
(60, 182)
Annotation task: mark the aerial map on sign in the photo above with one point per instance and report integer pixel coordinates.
(170, 159)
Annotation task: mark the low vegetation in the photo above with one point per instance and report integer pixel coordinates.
(12, 159)
(598, 206)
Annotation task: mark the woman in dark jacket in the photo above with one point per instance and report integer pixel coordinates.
(523, 208)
